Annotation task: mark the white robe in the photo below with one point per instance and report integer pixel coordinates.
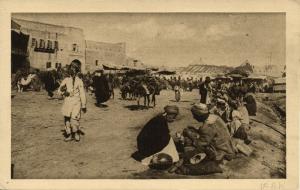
(76, 100)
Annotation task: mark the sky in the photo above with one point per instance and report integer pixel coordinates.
(180, 39)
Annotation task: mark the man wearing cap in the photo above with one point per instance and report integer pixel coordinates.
(213, 132)
(72, 89)
(155, 137)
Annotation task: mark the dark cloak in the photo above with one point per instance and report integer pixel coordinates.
(250, 104)
(50, 80)
(153, 137)
(203, 92)
(100, 84)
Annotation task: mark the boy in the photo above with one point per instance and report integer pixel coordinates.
(72, 89)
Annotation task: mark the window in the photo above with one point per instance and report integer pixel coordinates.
(33, 42)
(48, 65)
(74, 47)
(56, 45)
(57, 65)
(42, 43)
(96, 62)
(49, 44)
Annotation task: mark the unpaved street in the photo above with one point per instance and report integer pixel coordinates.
(39, 151)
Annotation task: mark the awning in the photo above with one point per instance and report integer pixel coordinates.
(255, 77)
(19, 43)
(15, 26)
(166, 72)
(111, 67)
(236, 76)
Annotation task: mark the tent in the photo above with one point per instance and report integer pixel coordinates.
(244, 70)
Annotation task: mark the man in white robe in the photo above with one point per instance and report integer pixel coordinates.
(72, 89)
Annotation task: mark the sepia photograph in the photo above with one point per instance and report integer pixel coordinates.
(148, 95)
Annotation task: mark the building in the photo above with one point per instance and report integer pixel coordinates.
(101, 53)
(19, 43)
(52, 45)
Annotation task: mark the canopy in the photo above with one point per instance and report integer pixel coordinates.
(236, 76)
(133, 72)
(166, 72)
(153, 68)
(254, 77)
(111, 67)
(15, 26)
(238, 73)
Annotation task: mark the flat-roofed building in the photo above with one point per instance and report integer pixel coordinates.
(52, 45)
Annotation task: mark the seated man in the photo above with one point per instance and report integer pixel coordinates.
(154, 138)
(250, 104)
(213, 133)
(221, 109)
(240, 122)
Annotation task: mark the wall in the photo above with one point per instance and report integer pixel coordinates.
(98, 53)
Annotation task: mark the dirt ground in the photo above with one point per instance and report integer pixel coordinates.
(39, 152)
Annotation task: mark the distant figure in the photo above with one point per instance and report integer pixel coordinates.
(111, 86)
(146, 94)
(51, 82)
(101, 87)
(205, 90)
(177, 93)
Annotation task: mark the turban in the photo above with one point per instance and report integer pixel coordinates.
(171, 109)
(199, 109)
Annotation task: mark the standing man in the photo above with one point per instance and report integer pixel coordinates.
(205, 90)
(72, 89)
(101, 87)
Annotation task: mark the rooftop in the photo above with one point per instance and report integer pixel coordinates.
(42, 23)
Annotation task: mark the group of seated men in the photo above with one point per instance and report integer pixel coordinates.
(197, 150)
